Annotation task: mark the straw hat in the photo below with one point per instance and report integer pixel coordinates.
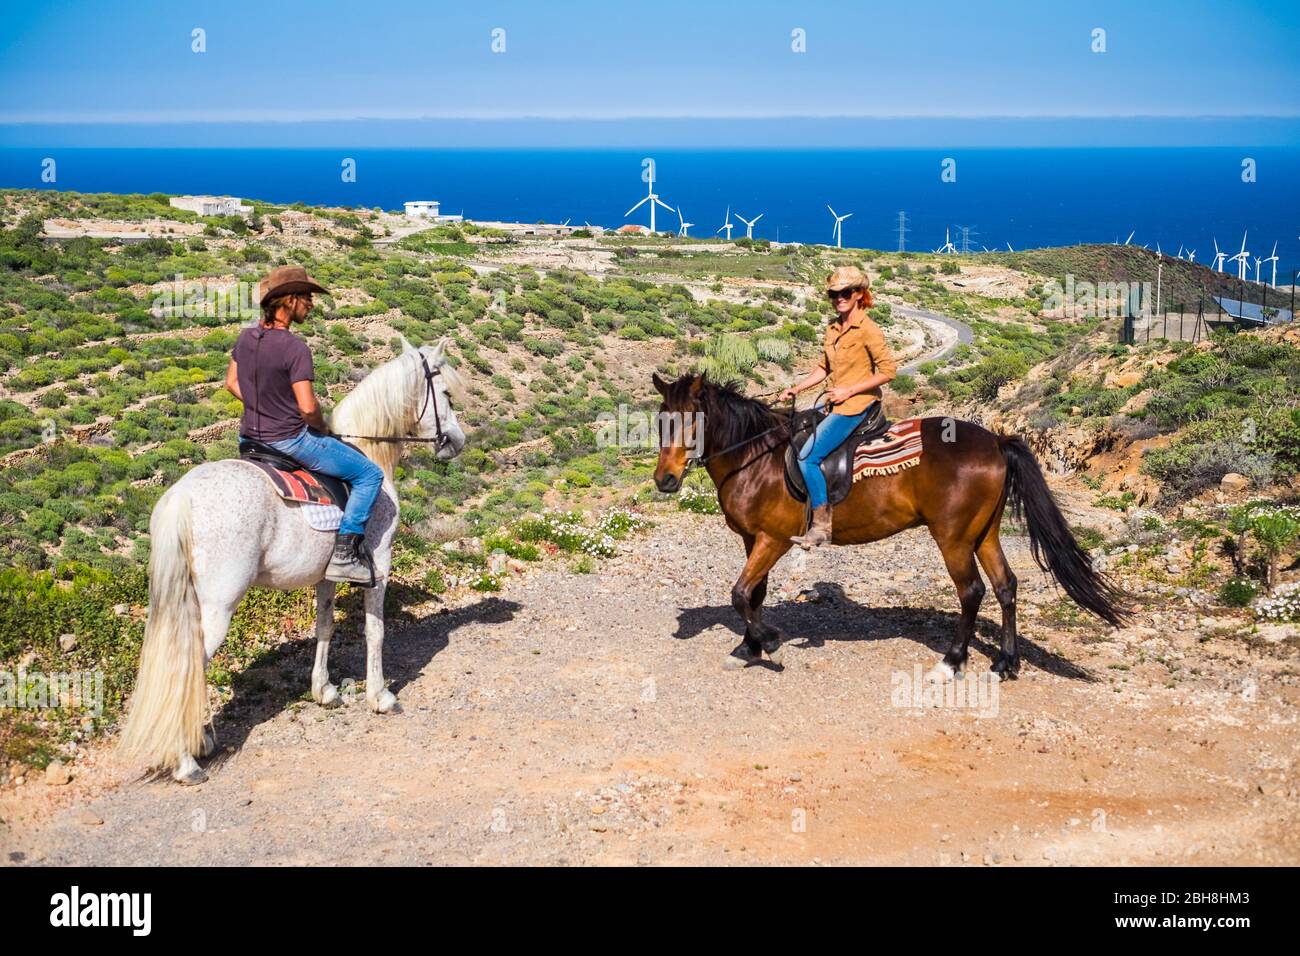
(286, 280)
(847, 277)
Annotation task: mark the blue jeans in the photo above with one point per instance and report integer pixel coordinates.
(331, 456)
(830, 434)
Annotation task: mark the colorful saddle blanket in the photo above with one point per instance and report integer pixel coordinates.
(298, 484)
(897, 449)
(291, 479)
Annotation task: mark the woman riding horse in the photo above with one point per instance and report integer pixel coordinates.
(957, 485)
(857, 360)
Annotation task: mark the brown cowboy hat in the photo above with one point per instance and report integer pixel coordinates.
(286, 280)
(847, 277)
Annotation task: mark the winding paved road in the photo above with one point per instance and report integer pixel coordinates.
(965, 335)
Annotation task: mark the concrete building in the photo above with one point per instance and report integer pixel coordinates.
(212, 205)
(545, 229)
(422, 208)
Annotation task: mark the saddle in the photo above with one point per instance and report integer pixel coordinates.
(837, 468)
(291, 479)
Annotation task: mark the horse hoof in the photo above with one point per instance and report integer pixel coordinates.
(775, 654)
(941, 673)
(329, 696)
(740, 658)
(384, 703)
(191, 779)
(1005, 669)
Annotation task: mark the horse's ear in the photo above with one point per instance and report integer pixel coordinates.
(440, 349)
(660, 385)
(697, 385)
(406, 346)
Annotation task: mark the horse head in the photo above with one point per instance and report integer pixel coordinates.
(438, 383)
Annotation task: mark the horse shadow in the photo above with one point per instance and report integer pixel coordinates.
(837, 617)
(282, 676)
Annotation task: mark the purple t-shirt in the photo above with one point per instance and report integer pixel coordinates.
(268, 362)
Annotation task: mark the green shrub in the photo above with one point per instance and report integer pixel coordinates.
(1238, 592)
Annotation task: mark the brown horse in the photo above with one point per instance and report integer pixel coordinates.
(958, 490)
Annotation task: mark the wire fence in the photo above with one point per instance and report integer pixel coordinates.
(1256, 305)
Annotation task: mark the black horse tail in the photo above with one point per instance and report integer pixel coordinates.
(1050, 539)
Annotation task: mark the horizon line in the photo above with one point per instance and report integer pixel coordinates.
(258, 119)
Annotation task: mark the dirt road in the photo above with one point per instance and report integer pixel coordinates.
(588, 719)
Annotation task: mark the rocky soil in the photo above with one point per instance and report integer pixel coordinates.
(589, 719)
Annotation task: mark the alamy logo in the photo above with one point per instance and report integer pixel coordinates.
(103, 909)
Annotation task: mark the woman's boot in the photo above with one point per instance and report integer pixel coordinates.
(819, 532)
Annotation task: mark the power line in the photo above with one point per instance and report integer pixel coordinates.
(902, 231)
(966, 233)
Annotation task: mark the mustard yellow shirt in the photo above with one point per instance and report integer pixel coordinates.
(852, 351)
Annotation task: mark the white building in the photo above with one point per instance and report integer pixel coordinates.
(422, 208)
(212, 205)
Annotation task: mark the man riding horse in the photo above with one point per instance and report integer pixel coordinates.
(271, 372)
(857, 360)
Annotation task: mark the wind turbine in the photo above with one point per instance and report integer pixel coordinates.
(1130, 237)
(567, 221)
(1273, 259)
(1242, 259)
(1191, 255)
(650, 198)
(1009, 249)
(1258, 261)
(1219, 256)
(726, 225)
(947, 247)
(749, 224)
(681, 230)
(1180, 250)
(838, 232)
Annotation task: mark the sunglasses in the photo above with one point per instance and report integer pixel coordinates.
(842, 293)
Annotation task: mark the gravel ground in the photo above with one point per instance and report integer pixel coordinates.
(588, 719)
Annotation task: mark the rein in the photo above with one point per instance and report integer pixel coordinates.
(440, 439)
(703, 459)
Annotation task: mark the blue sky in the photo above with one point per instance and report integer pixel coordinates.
(96, 62)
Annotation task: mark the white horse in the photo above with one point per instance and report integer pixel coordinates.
(223, 528)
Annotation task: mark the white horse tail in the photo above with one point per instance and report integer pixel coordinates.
(169, 704)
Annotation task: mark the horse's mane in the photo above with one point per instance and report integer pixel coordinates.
(387, 402)
(731, 416)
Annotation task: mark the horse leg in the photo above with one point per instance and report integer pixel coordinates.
(960, 559)
(322, 691)
(994, 562)
(750, 649)
(380, 698)
(748, 593)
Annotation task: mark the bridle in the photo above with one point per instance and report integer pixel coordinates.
(692, 460)
(704, 459)
(441, 438)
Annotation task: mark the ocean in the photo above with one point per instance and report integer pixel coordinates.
(1176, 197)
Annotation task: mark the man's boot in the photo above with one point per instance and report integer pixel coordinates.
(351, 561)
(820, 531)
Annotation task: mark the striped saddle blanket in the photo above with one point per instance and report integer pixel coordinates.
(321, 499)
(895, 450)
(298, 484)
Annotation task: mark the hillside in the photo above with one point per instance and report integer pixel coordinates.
(112, 352)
